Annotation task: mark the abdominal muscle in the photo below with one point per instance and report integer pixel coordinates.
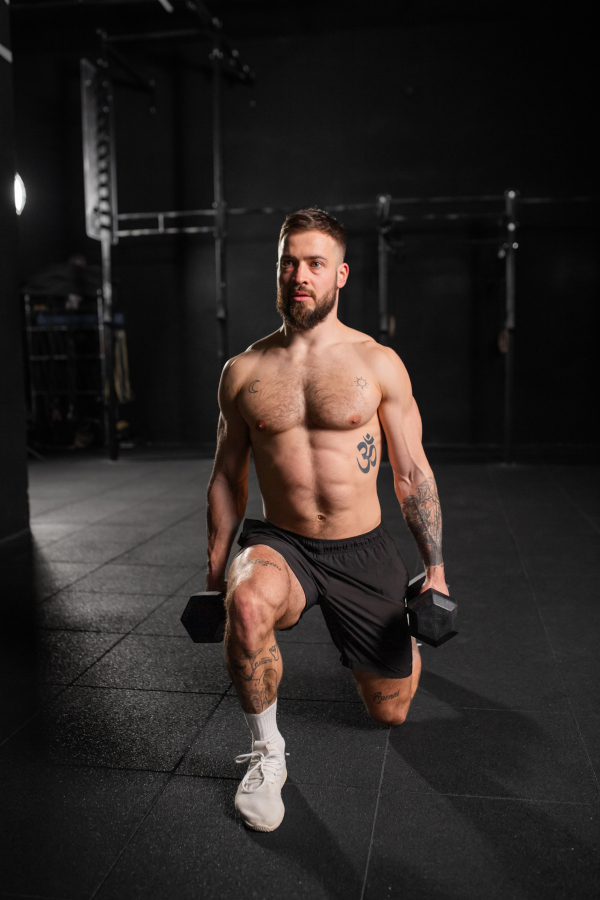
(318, 483)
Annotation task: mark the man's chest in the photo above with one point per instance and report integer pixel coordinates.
(326, 397)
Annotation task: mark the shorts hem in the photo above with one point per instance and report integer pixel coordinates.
(373, 669)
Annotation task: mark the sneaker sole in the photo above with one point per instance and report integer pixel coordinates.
(268, 827)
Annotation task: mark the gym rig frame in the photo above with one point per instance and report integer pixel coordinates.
(106, 224)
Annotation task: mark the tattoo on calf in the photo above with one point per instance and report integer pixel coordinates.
(264, 692)
(246, 666)
(368, 451)
(381, 698)
(423, 515)
(264, 562)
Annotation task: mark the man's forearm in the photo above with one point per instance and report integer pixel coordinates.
(225, 510)
(423, 515)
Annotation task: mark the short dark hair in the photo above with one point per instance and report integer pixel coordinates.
(313, 219)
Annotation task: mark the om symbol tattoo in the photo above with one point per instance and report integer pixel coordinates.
(368, 451)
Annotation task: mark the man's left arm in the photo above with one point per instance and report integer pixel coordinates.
(414, 481)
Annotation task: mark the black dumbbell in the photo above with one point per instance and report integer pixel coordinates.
(432, 616)
(204, 617)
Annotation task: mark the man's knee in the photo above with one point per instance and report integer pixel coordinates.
(250, 615)
(389, 715)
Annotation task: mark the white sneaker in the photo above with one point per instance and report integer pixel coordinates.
(258, 797)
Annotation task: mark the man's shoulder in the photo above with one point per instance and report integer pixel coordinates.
(239, 366)
(376, 354)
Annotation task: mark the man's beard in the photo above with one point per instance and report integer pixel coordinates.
(294, 312)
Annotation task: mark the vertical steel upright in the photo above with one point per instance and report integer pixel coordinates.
(383, 268)
(219, 204)
(510, 248)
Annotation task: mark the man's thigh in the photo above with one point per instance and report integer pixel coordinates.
(383, 697)
(263, 572)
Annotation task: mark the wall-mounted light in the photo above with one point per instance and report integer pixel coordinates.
(20, 194)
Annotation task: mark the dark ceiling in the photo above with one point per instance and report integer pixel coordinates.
(36, 23)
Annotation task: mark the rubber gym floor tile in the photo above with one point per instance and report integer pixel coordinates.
(119, 729)
(312, 670)
(97, 543)
(62, 828)
(22, 701)
(328, 743)
(119, 579)
(50, 577)
(80, 611)
(155, 662)
(192, 845)
(590, 731)
(166, 620)
(490, 753)
(166, 550)
(578, 668)
(45, 533)
(84, 512)
(63, 655)
(431, 847)
(311, 629)
(161, 513)
(194, 584)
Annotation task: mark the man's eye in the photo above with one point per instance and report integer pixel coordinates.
(316, 262)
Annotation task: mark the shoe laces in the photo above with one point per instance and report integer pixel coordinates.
(263, 768)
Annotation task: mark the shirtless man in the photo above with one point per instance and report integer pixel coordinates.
(310, 401)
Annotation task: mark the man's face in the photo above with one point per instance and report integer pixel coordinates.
(309, 273)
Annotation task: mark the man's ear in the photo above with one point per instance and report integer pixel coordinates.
(343, 272)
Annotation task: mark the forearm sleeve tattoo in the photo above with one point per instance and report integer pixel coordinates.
(423, 516)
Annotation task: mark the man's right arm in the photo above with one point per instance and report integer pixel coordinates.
(228, 486)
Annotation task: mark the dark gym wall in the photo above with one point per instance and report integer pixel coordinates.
(340, 116)
(14, 506)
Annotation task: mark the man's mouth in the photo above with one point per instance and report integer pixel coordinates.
(301, 295)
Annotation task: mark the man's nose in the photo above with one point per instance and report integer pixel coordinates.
(301, 273)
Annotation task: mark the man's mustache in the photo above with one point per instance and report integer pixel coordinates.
(293, 291)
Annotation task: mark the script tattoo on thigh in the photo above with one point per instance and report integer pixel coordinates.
(368, 451)
(264, 562)
(423, 515)
(274, 651)
(381, 698)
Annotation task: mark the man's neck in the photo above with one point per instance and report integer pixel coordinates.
(317, 338)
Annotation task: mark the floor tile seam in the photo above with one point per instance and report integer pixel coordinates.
(74, 764)
(133, 505)
(38, 711)
(171, 775)
(545, 629)
(139, 690)
(132, 835)
(104, 591)
(573, 503)
(90, 496)
(204, 724)
(120, 591)
(34, 896)
(131, 565)
(593, 802)
(372, 836)
(111, 561)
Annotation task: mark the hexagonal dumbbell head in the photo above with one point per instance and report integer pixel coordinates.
(432, 616)
(204, 617)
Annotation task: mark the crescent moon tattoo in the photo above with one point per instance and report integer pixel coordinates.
(251, 388)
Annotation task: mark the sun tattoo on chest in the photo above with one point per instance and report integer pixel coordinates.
(361, 382)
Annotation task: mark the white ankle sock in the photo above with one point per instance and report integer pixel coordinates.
(264, 725)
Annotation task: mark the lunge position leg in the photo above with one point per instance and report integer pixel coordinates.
(263, 596)
(387, 699)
